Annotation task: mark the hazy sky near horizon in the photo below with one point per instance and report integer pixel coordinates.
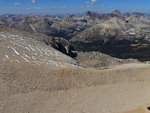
(56, 7)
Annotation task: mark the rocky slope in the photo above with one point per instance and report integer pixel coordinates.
(17, 48)
(98, 60)
(60, 44)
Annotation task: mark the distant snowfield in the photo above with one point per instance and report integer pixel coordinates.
(15, 48)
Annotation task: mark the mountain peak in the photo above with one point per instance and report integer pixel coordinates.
(90, 13)
(117, 12)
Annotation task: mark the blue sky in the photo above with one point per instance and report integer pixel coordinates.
(56, 7)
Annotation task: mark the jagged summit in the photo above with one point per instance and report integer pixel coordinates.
(117, 12)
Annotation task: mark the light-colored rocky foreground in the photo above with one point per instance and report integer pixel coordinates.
(123, 89)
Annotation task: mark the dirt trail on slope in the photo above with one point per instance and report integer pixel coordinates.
(96, 99)
(27, 77)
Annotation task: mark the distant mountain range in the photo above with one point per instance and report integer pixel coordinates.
(116, 34)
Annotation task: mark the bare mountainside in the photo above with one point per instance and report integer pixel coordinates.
(36, 78)
(18, 49)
